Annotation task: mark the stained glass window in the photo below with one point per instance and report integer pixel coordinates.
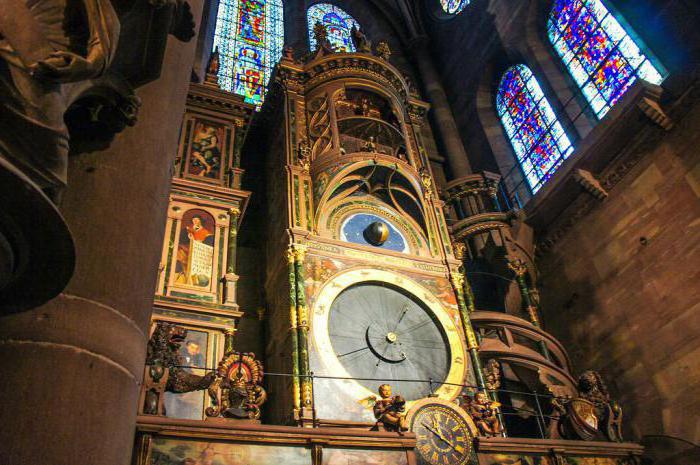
(538, 139)
(249, 35)
(338, 25)
(454, 6)
(601, 56)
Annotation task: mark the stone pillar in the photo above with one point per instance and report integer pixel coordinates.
(441, 111)
(71, 369)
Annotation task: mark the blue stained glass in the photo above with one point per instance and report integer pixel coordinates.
(454, 6)
(249, 35)
(538, 138)
(601, 56)
(338, 26)
(353, 229)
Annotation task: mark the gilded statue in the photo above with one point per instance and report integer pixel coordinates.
(390, 411)
(484, 412)
(237, 391)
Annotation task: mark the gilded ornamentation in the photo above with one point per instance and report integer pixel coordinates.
(427, 182)
(484, 412)
(593, 414)
(390, 411)
(383, 50)
(459, 250)
(492, 375)
(237, 391)
(304, 155)
(518, 266)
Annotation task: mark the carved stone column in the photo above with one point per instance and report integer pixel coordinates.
(71, 369)
(440, 108)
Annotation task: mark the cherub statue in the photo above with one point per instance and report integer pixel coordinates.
(389, 411)
(359, 39)
(484, 413)
(369, 146)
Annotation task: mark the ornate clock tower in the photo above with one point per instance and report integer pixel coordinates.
(370, 270)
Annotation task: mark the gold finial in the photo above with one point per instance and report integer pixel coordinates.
(459, 250)
(518, 266)
(383, 50)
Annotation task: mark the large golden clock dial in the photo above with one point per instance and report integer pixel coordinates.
(443, 431)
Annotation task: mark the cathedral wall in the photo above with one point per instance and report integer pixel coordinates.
(627, 309)
(620, 289)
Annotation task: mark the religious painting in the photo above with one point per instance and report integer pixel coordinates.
(193, 357)
(195, 251)
(188, 452)
(332, 456)
(206, 151)
(514, 459)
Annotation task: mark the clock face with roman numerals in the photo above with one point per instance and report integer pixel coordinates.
(444, 433)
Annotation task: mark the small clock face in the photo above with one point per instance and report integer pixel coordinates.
(443, 435)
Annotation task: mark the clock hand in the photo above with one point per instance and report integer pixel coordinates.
(352, 352)
(437, 433)
(403, 314)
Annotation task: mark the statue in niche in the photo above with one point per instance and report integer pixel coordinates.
(360, 41)
(369, 146)
(593, 414)
(484, 412)
(237, 391)
(323, 45)
(47, 49)
(390, 411)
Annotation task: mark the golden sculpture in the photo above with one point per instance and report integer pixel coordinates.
(383, 50)
(390, 411)
(237, 391)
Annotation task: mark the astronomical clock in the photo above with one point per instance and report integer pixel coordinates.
(367, 296)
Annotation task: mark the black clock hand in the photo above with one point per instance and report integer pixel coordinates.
(352, 352)
(403, 314)
(437, 433)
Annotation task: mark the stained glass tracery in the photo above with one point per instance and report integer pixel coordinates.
(454, 6)
(338, 26)
(600, 54)
(249, 35)
(538, 138)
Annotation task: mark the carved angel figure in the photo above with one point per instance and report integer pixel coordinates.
(389, 411)
(484, 413)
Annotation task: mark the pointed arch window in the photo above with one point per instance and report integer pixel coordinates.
(249, 36)
(538, 138)
(454, 7)
(338, 25)
(598, 51)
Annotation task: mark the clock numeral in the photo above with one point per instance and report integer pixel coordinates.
(459, 360)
